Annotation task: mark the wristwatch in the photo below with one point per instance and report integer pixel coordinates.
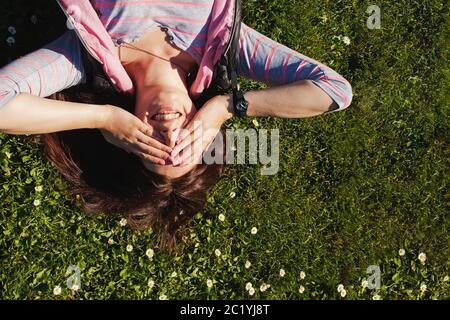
(240, 105)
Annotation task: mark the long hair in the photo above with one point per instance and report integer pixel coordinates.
(110, 180)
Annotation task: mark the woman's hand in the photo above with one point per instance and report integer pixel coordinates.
(201, 130)
(126, 131)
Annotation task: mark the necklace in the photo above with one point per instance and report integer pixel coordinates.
(129, 45)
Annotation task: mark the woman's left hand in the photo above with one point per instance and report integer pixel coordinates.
(201, 130)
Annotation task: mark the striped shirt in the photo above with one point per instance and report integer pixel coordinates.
(58, 65)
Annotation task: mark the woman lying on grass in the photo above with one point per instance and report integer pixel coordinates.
(139, 162)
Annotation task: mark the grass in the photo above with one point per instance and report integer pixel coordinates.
(353, 187)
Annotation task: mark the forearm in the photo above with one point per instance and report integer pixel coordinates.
(300, 99)
(28, 114)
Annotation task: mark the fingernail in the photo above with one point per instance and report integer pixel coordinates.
(162, 162)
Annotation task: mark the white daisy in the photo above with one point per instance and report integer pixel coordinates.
(57, 290)
(163, 297)
(376, 297)
(263, 287)
(174, 274)
(301, 289)
(346, 40)
(129, 248)
(282, 272)
(401, 252)
(151, 283)
(110, 241)
(302, 275)
(248, 286)
(75, 287)
(232, 194)
(123, 222)
(343, 293)
(340, 287)
(422, 257)
(423, 287)
(37, 202)
(209, 283)
(150, 253)
(217, 252)
(251, 291)
(364, 284)
(247, 264)
(254, 230)
(255, 122)
(38, 188)
(221, 217)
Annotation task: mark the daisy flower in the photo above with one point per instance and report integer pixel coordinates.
(150, 253)
(422, 257)
(57, 290)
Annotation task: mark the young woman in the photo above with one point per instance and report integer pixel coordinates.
(151, 178)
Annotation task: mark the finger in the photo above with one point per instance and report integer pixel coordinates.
(191, 153)
(146, 138)
(161, 149)
(181, 145)
(150, 158)
(135, 149)
(195, 134)
(142, 147)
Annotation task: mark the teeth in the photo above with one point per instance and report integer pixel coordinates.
(167, 116)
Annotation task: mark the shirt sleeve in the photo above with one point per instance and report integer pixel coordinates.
(52, 68)
(265, 60)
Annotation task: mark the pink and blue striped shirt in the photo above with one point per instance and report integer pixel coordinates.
(58, 65)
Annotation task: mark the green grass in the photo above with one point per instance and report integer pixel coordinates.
(353, 187)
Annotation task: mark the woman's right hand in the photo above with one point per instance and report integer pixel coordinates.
(125, 130)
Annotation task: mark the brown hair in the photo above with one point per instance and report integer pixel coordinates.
(109, 180)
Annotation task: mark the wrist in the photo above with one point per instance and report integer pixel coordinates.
(228, 108)
(101, 117)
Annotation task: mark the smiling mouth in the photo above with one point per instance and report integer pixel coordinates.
(166, 115)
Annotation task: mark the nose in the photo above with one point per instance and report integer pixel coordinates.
(169, 136)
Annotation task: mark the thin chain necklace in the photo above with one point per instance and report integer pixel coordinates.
(129, 45)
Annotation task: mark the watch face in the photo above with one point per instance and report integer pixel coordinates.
(241, 106)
